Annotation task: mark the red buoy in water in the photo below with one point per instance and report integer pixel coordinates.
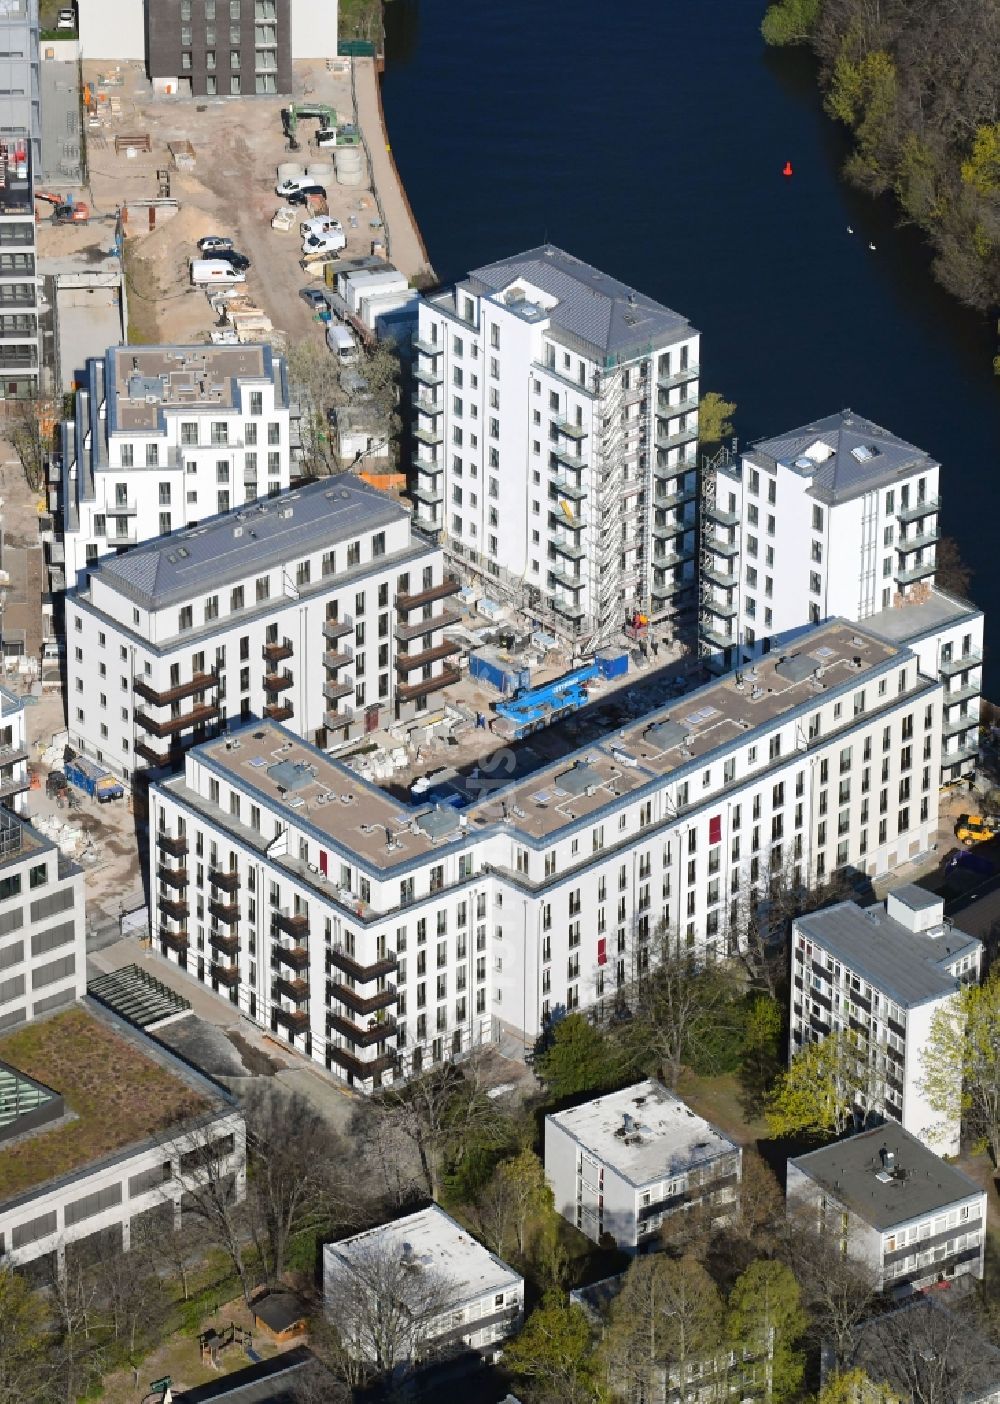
(788, 169)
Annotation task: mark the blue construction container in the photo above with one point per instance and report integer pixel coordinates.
(498, 672)
(613, 662)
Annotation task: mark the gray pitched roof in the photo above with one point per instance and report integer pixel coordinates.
(594, 311)
(851, 1171)
(903, 964)
(862, 455)
(258, 537)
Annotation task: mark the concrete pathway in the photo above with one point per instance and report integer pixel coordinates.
(405, 246)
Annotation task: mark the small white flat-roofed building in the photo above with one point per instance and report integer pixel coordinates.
(623, 1163)
(893, 1206)
(883, 973)
(457, 1294)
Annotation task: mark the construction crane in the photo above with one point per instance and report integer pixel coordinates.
(65, 210)
(294, 113)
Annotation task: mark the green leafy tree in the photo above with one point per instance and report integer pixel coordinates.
(981, 169)
(554, 1354)
(579, 1059)
(23, 1354)
(965, 1034)
(855, 1387)
(715, 418)
(765, 1318)
(667, 1317)
(760, 1058)
(818, 1093)
(790, 22)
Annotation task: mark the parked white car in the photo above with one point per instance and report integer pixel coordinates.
(331, 242)
(319, 225)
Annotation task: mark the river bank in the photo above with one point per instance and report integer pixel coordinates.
(404, 243)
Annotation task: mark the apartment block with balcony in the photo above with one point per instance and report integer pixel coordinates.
(910, 1218)
(20, 339)
(322, 608)
(482, 1298)
(545, 892)
(14, 752)
(837, 519)
(162, 438)
(884, 973)
(225, 48)
(20, 86)
(556, 433)
(622, 1164)
(42, 932)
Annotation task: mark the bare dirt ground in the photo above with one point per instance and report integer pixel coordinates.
(238, 144)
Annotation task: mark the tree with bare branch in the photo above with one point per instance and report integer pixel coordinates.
(385, 1304)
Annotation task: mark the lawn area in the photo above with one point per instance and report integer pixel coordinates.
(118, 1095)
(360, 19)
(719, 1099)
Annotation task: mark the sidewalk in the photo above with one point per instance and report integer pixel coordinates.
(404, 245)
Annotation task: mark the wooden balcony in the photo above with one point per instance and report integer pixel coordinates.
(338, 658)
(177, 911)
(448, 586)
(229, 912)
(173, 877)
(176, 940)
(277, 682)
(279, 711)
(226, 878)
(406, 662)
(228, 975)
(357, 971)
(174, 844)
(173, 725)
(409, 692)
(226, 941)
(367, 1035)
(333, 691)
(382, 999)
(200, 683)
(336, 717)
(362, 1068)
(295, 957)
(171, 756)
(292, 923)
(444, 620)
(295, 990)
(277, 652)
(297, 1020)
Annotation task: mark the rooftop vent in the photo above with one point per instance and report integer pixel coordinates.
(863, 453)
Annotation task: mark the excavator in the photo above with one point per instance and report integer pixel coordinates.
(65, 210)
(294, 113)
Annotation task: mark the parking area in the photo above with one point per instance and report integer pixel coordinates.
(237, 145)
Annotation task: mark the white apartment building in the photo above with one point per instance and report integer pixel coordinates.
(884, 972)
(384, 935)
(893, 1206)
(164, 437)
(320, 608)
(556, 428)
(457, 1295)
(42, 927)
(623, 1163)
(20, 338)
(65, 1204)
(838, 519)
(14, 752)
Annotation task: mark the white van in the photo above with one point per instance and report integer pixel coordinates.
(332, 242)
(214, 270)
(342, 343)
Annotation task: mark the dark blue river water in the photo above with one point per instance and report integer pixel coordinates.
(649, 139)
